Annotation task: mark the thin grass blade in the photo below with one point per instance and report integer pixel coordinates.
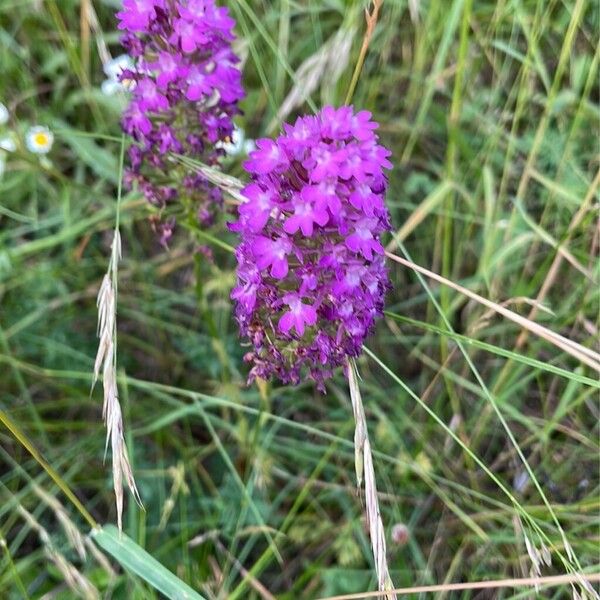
(136, 560)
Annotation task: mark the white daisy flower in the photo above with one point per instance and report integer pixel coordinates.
(110, 87)
(113, 69)
(4, 115)
(127, 84)
(39, 139)
(8, 144)
(237, 144)
(249, 146)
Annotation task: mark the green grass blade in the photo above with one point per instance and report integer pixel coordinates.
(135, 559)
(18, 434)
(526, 360)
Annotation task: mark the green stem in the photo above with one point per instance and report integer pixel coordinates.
(60, 482)
(371, 22)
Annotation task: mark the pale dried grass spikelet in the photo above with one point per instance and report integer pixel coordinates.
(327, 64)
(229, 184)
(71, 532)
(95, 26)
(586, 590)
(414, 7)
(263, 466)
(77, 582)
(203, 538)
(542, 556)
(179, 487)
(536, 560)
(538, 557)
(100, 558)
(363, 462)
(106, 361)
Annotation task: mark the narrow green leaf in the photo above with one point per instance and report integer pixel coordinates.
(527, 360)
(135, 559)
(101, 161)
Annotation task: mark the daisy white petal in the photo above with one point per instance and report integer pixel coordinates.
(4, 115)
(110, 87)
(113, 68)
(39, 139)
(7, 143)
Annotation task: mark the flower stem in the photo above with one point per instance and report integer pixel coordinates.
(15, 430)
(371, 18)
(364, 466)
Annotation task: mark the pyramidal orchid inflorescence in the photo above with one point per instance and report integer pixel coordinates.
(311, 271)
(186, 86)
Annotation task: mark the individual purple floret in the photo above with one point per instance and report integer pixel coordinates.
(186, 89)
(311, 275)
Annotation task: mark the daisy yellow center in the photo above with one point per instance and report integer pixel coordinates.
(41, 139)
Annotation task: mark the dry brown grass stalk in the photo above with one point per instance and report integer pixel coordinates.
(558, 258)
(229, 184)
(106, 361)
(545, 582)
(71, 532)
(583, 354)
(363, 460)
(78, 583)
(371, 18)
(92, 23)
(179, 487)
(327, 64)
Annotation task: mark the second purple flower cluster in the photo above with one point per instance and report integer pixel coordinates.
(311, 270)
(187, 87)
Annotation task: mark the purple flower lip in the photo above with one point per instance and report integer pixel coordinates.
(298, 314)
(311, 271)
(309, 208)
(273, 253)
(186, 93)
(267, 158)
(137, 14)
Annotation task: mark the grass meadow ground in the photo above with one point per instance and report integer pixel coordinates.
(485, 435)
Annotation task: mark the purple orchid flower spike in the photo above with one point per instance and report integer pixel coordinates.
(311, 271)
(186, 87)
